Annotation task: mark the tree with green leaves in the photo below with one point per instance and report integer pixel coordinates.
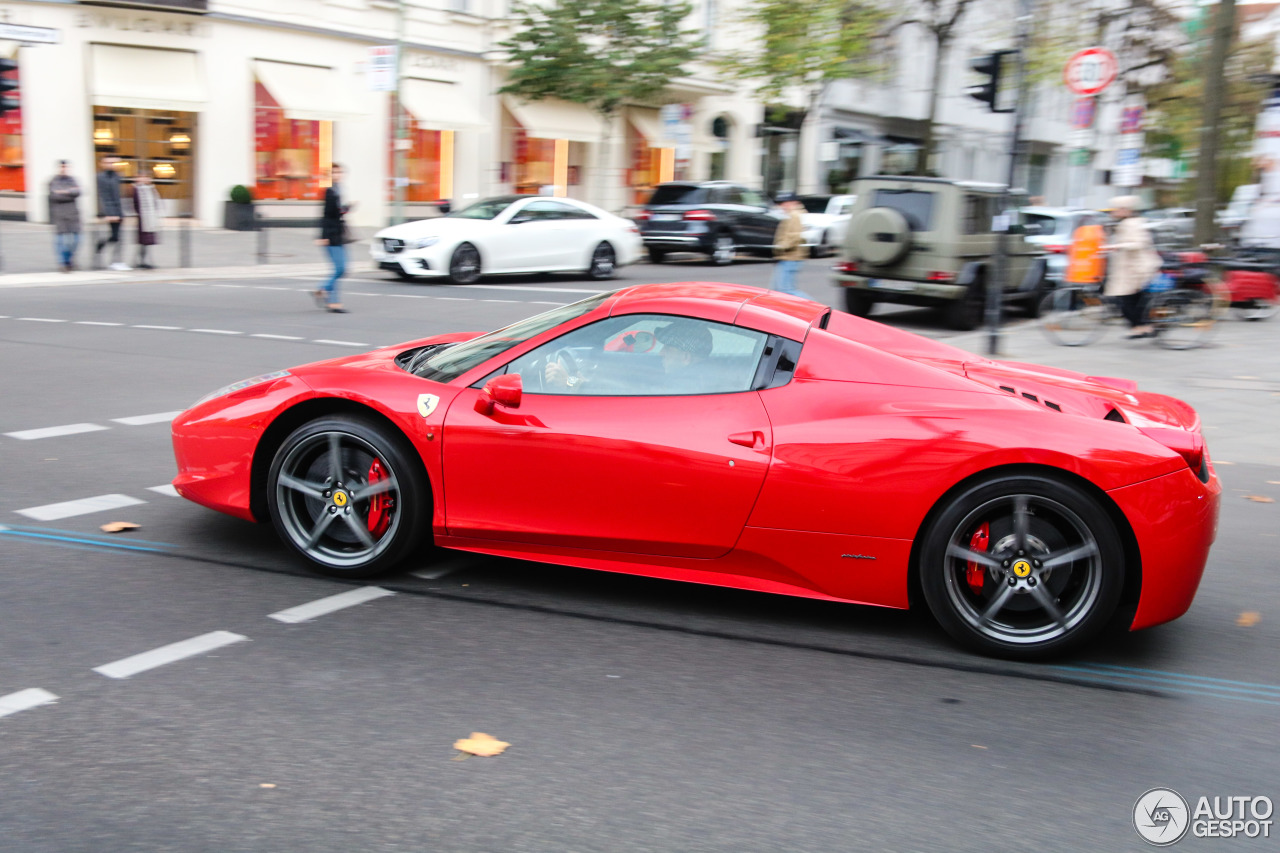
(598, 53)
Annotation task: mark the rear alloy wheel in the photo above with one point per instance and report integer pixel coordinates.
(1022, 567)
(858, 302)
(965, 313)
(347, 494)
(723, 250)
(603, 263)
(464, 266)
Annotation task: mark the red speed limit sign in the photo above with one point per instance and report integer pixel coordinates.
(1090, 71)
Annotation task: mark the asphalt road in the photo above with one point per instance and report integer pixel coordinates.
(643, 715)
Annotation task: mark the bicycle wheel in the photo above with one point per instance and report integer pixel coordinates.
(1073, 316)
(1183, 318)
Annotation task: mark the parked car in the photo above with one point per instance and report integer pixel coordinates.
(507, 235)
(714, 218)
(1051, 229)
(1233, 217)
(1172, 227)
(826, 219)
(929, 241)
(752, 440)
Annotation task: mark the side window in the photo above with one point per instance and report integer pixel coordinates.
(568, 211)
(753, 198)
(542, 210)
(732, 195)
(644, 355)
(974, 213)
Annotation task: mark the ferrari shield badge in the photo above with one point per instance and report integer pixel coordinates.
(427, 404)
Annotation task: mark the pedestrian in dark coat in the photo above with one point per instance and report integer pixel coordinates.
(146, 205)
(333, 236)
(110, 211)
(64, 213)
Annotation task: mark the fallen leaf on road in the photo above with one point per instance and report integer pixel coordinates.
(481, 744)
(119, 526)
(975, 746)
(1260, 499)
(1248, 619)
(267, 785)
(1220, 462)
(1274, 482)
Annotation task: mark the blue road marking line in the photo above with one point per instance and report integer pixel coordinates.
(80, 534)
(1162, 672)
(80, 543)
(1173, 682)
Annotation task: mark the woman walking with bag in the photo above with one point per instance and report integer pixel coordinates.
(1131, 264)
(146, 204)
(333, 236)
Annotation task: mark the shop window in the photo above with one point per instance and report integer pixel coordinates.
(422, 160)
(649, 166)
(719, 161)
(535, 162)
(292, 157)
(12, 168)
(159, 143)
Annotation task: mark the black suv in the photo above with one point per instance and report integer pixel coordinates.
(714, 218)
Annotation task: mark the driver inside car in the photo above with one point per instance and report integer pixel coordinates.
(684, 342)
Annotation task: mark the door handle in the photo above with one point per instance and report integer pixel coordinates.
(753, 439)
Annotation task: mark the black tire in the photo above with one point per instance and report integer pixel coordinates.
(1049, 573)
(859, 303)
(822, 248)
(404, 276)
(965, 313)
(327, 501)
(1038, 294)
(464, 266)
(657, 256)
(723, 249)
(604, 263)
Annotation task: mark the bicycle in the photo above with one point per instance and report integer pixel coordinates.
(1183, 312)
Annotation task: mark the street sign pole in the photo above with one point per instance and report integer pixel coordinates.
(996, 281)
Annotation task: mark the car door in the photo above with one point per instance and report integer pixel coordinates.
(535, 236)
(635, 458)
(760, 217)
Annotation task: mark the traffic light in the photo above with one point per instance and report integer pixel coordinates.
(996, 90)
(8, 83)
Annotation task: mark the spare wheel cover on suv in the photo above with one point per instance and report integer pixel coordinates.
(880, 236)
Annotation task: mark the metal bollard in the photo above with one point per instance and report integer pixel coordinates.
(184, 241)
(262, 237)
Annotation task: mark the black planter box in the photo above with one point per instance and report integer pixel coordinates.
(238, 217)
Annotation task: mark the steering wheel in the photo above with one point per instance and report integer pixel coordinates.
(567, 361)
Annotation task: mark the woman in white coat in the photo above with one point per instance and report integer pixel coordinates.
(1132, 262)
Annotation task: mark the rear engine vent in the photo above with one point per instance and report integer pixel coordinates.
(1007, 388)
(1053, 406)
(1032, 397)
(1114, 415)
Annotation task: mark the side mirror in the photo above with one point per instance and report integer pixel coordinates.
(505, 390)
(520, 219)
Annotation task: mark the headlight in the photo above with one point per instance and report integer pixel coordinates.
(242, 384)
(421, 242)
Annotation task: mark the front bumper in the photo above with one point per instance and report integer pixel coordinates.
(418, 262)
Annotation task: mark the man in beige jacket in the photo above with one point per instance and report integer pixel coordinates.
(788, 247)
(1132, 262)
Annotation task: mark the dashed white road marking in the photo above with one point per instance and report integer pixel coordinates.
(84, 506)
(166, 489)
(53, 432)
(96, 323)
(158, 328)
(408, 295)
(237, 286)
(340, 343)
(323, 606)
(499, 300)
(548, 303)
(126, 667)
(32, 697)
(277, 337)
(41, 320)
(140, 420)
(216, 331)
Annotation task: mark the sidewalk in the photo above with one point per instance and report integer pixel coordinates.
(26, 249)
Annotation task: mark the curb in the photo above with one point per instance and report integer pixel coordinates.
(56, 279)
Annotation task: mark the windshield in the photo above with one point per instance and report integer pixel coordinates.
(1049, 224)
(815, 204)
(487, 209)
(678, 194)
(449, 364)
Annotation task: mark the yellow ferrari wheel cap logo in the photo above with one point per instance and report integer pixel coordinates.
(1022, 568)
(427, 404)
(339, 498)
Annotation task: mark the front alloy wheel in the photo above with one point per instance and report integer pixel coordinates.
(722, 250)
(603, 263)
(344, 493)
(464, 266)
(1022, 567)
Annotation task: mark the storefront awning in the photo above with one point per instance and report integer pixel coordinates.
(551, 119)
(440, 106)
(649, 123)
(143, 78)
(307, 92)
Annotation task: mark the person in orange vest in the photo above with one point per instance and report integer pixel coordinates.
(1086, 263)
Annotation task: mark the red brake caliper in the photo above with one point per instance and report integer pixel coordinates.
(974, 573)
(381, 505)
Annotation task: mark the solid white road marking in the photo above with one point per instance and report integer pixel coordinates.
(530, 289)
(340, 343)
(277, 337)
(168, 654)
(41, 320)
(52, 432)
(499, 300)
(32, 697)
(322, 606)
(160, 328)
(166, 489)
(216, 331)
(84, 506)
(139, 420)
(96, 323)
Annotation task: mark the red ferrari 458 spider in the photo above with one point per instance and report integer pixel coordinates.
(753, 440)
